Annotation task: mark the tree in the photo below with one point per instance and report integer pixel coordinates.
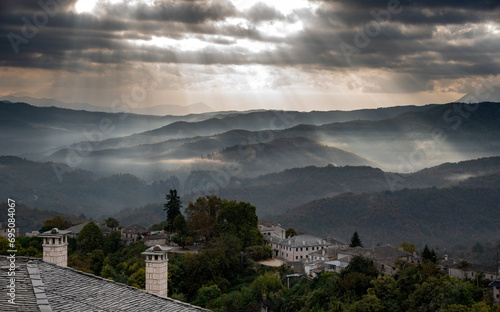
(97, 258)
(207, 294)
(355, 240)
(111, 243)
(172, 208)
(239, 220)
(290, 233)
(201, 216)
(408, 247)
(108, 272)
(428, 254)
(55, 222)
(112, 222)
(181, 230)
(138, 279)
(90, 238)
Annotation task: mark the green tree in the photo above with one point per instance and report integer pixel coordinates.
(181, 229)
(369, 303)
(108, 272)
(97, 257)
(90, 238)
(428, 254)
(207, 294)
(112, 222)
(111, 243)
(267, 284)
(239, 220)
(201, 216)
(172, 207)
(290, 233)
(355, 240)
(55, 222)
(138, 279)
(408, 247)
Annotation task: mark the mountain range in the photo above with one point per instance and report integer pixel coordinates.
(299, 168)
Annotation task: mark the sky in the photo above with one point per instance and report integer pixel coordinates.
(247, 54)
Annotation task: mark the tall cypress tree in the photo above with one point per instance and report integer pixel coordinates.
(172, 208)
(355, 240)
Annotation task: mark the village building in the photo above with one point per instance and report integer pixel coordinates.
(271, 229)
(131, 233)
(463, 269)
(156, 239)
(335, 259)
(495, 285)
(298, 247)
(76, 229)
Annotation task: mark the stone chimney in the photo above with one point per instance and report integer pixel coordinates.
(157, 270)
(55, 246)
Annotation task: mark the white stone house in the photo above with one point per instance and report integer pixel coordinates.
(462, 269)
(496, 291)
(296, 248)
(271, 229)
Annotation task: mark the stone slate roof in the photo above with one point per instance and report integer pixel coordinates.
(46, 287)
(387, 252)
(455, 262)
(76, 229)
(134, 229)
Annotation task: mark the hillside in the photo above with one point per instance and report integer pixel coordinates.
(285, 153)
(28, 129)
(434, 216)
(415, 140)
(31, 219)
(38, 185)
(252, 121)
(276, 193)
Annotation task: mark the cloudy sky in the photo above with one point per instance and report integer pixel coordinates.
(244, 54)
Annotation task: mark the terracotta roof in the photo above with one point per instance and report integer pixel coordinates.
(43, 286)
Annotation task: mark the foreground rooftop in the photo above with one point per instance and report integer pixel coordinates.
(45, 287)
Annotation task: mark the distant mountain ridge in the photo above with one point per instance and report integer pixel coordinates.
(158, 110)
(438, 217)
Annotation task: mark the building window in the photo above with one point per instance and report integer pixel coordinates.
(296, 257)
(296, 249)
(307, 248)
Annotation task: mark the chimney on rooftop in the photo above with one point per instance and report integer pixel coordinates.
(55, 246)
(157, 270)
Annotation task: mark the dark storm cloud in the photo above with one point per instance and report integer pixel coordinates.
(262, 12)
(409, 43)
(190, 12)
(462, 4)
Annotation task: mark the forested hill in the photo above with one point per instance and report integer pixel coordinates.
(79, 191)
(423, 216)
